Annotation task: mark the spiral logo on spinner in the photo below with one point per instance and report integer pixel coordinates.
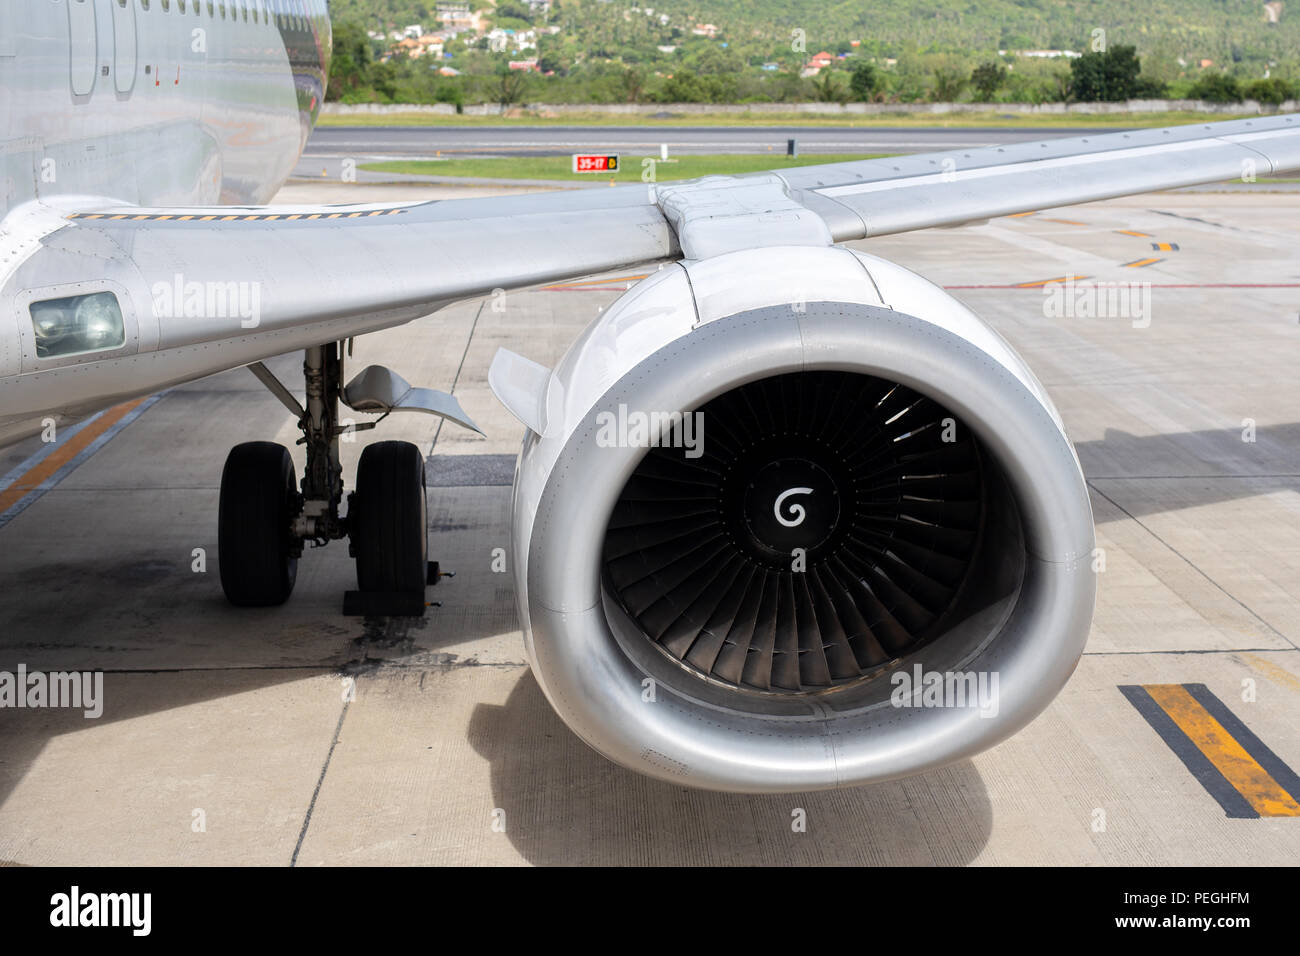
(797, 512)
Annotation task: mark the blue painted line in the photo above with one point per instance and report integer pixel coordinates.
(22, 504)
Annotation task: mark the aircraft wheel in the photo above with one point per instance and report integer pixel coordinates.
(387, 519)
(259, 500)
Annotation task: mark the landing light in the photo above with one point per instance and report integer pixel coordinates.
(79, 323)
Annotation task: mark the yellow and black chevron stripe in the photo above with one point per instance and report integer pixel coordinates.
(233, 217)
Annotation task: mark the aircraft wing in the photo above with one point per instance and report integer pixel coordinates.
(881, 196)
(229, 286)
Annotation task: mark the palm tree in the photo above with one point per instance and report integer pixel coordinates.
(510, 90)
(948, 84)
(827, 90)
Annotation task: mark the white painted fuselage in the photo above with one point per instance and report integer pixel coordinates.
(157, 102)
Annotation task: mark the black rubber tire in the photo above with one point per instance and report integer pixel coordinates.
(259, 500)
(387, 522)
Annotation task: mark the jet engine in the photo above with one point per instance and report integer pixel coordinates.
(794, 518)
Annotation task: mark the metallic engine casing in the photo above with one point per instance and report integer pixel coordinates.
(696, 330)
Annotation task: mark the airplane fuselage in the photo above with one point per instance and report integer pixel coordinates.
(157, 102)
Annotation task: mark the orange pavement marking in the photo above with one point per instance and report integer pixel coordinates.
(1222, 749)
(51, 463)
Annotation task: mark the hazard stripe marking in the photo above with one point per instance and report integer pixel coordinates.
(1246, 778)
(240, 217)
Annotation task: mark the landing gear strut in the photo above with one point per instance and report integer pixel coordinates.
(265, 522)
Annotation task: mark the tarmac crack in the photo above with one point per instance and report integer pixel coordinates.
(329, 755)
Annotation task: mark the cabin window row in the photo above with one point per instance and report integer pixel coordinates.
(287, 12)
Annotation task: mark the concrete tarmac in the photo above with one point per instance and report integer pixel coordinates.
(296, 735)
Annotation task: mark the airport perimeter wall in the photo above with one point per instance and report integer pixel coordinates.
(1247, 108)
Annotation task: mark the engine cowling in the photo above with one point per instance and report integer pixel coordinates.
(794, 518)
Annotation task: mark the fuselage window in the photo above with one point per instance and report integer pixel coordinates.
(144, 4)
(180, 5)
(79, 323)
(212, 12)
(166, 5)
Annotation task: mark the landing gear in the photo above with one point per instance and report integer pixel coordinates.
(266, 522)
(259, 502)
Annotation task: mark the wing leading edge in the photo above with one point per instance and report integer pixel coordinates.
(324, 273)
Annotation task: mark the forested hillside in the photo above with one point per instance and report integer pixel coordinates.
(760, 50)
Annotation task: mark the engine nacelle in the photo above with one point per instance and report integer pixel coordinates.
(794, 518)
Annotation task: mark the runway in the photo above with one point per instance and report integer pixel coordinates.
(365, 143)
(296, 735)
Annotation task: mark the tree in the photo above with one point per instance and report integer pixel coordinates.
(550, 62)
(351, 61)
(864, 82)
(948, 84)
(827, 89)
(1062, 88)
(1106, 76)
(683, 88)
(633, 84)
(382, 78)
(790, 87)
(510, 86)
(1149, 88)
(986, 79)
(714, 60)
(1216, 88)
(1273, 91)
(513, 10)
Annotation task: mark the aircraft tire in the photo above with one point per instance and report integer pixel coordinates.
(259, 500)
(387, 519)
